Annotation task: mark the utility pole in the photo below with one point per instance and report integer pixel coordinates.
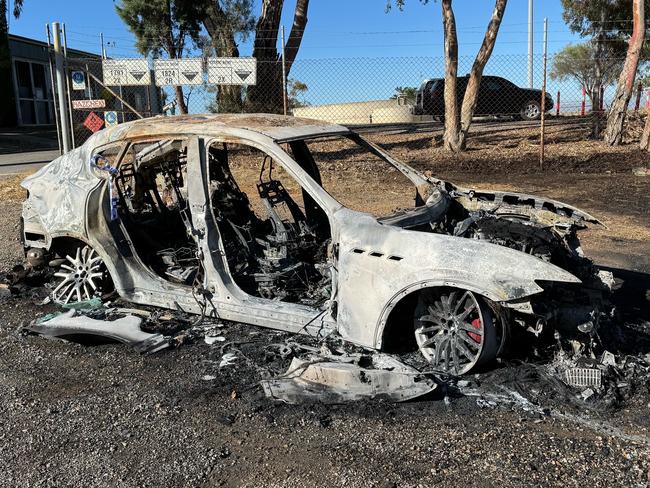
(284, 77)
(60, 87)
(530, 44)
(101, 37)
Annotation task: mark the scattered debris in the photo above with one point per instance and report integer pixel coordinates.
(227, 359)
(640, 171)
(213, 339)
(69, 326)
(581, 377)
(346, 379)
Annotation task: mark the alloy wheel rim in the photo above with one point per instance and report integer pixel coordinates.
(532, 110)
(81, 277)
(451, 332)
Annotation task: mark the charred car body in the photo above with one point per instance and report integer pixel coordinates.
(154, 209)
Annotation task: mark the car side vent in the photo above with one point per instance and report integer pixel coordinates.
(395, 258)
(358, 251)
(376, 254)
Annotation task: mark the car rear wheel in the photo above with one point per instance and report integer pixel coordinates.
(80, 277)
(531, 110)
(454, 330)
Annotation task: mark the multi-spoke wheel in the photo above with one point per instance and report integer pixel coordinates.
(454, 330)
(531, 110)
(81, 277)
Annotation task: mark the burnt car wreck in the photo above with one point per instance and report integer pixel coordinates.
(160, 212)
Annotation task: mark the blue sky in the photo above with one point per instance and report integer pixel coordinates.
(349, 29)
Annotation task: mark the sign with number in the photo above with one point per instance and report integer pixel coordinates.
(126, 72)
(178, 71)
(82, 104)
(110, 118)
(232, 71)
(93, 122)
(78, 80)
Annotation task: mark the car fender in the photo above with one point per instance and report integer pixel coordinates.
(380, 264)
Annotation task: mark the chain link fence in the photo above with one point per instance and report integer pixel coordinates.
(363, 92)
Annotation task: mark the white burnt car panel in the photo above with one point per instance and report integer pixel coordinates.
(230, 216)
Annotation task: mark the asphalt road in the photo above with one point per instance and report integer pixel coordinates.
(25, 161)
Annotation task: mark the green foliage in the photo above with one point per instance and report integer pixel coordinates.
(407, 92)
(578, 61)
(162, 25)
(296, 91)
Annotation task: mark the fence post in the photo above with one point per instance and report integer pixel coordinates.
(284, 76)
(637, 103)
(584, 101)
(67, 84)
(56, 114)
(60, 80)
(557, 105)
(541, 139)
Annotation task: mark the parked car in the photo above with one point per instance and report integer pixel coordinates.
(497, 96)
(231, 216)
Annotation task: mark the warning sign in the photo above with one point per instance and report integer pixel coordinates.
(81, 104)
(232, 71)
(178, 71)
(93, 122)
(134, 71)
(110, 118)
(78, 80)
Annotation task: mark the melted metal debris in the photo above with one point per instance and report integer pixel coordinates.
(347, 379)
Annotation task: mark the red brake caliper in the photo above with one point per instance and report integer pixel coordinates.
(476, 323)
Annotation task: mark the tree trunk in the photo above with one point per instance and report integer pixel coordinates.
(471, 93)
(267, 95)
(598, 76)
(618, 110)
(452, 122)
(180, 99)
(229, 97)
(645, 137)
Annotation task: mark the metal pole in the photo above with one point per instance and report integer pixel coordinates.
(530, 43)
(284, 76)
(101, 37)
(541, 141)
(56, 115)
(60, 81)
(67, 84)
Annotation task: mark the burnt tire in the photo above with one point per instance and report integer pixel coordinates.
(455, 330)
(531, 110)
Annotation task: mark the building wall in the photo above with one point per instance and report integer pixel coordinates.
(371, 112)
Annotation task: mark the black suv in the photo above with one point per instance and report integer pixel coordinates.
(497, 96)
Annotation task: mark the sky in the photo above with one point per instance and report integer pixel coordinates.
(346, 37)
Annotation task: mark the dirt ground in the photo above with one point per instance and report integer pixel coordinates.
(73, 415)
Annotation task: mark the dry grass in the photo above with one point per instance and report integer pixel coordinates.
(10, 189)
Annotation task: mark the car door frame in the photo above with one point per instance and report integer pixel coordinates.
(227, 299)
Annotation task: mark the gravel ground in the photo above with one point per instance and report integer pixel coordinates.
(73, 415)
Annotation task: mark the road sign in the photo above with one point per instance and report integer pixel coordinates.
(110, 118)
(178, 71)
(134, 71)
(232, 71)
(81, 104)
(93, 122)
(78, 80)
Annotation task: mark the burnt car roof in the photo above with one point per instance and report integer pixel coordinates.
(280, 128)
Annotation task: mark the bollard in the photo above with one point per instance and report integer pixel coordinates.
(584, 101)
(557, 105)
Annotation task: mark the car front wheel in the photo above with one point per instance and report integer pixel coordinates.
(531, 110)
(455, 330)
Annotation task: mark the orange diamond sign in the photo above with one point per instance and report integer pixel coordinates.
(93, 122)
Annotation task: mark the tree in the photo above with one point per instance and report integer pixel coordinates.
(408, 93)
(267, 95)
(607, 24)
(577, 62)
(296, 89)
(458, 122)
(8, 107)
(457, 127)
(225, 21)
(162, 26)
(618, 108)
